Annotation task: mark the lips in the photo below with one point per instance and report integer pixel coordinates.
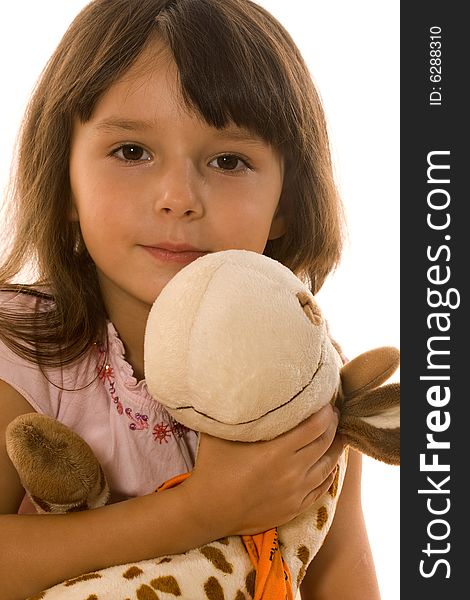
(175, 253)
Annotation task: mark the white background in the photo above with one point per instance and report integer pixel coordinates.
(352, 49)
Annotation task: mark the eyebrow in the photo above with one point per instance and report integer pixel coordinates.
(116, 124)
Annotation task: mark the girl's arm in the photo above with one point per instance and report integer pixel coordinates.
(344, 567)
(235, 488)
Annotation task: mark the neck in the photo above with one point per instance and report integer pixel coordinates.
(129, 319)
(131, 332)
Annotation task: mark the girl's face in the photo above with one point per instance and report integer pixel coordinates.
(154, 187)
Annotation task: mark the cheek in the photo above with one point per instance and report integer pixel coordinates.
(261, 208)
(98, 198)
(247, 227)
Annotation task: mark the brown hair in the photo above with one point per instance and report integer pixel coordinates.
(236, 64)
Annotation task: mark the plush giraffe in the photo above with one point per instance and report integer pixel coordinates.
(237, 347)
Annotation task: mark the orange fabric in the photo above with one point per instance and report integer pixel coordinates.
(273, 578)
(173, 482)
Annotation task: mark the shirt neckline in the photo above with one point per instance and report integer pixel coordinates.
(123, 370)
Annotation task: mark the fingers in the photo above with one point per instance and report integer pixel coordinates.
(318, 492)
(323, 472)
(314, 427)
(273, 481)
(318, 432)
(321, 469)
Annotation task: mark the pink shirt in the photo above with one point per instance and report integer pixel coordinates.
(137, 442)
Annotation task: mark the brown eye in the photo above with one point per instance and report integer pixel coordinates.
(132, 153)
(229, 162)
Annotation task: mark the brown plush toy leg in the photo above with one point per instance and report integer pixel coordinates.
(57, 468)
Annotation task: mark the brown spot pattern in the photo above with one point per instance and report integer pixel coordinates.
(92, 597)
(217, 558)
(333, 489)
(213, 589)
(250, 583)
(163, 560)
(146, 593)
(132, 573)
(225, 541)
(303, 554)
(169, 585)
(322, 517)
(86, 577)
(240, 596)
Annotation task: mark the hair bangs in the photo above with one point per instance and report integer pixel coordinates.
(229, 68)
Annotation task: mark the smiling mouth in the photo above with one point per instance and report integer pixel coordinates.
(319, 366)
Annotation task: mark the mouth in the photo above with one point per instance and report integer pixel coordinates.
(296, 395)
(175, 253)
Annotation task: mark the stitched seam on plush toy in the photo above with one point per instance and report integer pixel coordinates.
(320, 364)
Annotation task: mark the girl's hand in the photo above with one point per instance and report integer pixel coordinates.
(242, 488)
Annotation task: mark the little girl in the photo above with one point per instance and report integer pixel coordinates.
(160, 131)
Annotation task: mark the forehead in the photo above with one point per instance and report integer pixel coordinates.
(149, 96)
(152, 82)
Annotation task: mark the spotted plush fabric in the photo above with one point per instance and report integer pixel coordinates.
(221, 570)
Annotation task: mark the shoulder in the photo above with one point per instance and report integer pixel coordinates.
(15, 306)
(40, 387)
(25, 297)
(18, 310)
(13, 404)
(23, 377)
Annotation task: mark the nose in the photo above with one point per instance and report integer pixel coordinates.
(178, 191)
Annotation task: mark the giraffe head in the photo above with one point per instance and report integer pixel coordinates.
(245, 355)
(237, 347)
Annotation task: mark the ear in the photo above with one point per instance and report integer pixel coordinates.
(371, 423)
(369, 370)
(278, 225)
(370, 411)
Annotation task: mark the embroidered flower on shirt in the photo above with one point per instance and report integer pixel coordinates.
(139, 421)
(162, 431)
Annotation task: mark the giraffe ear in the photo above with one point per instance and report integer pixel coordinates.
(369, 370)
(371, 423)
(370, 411)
